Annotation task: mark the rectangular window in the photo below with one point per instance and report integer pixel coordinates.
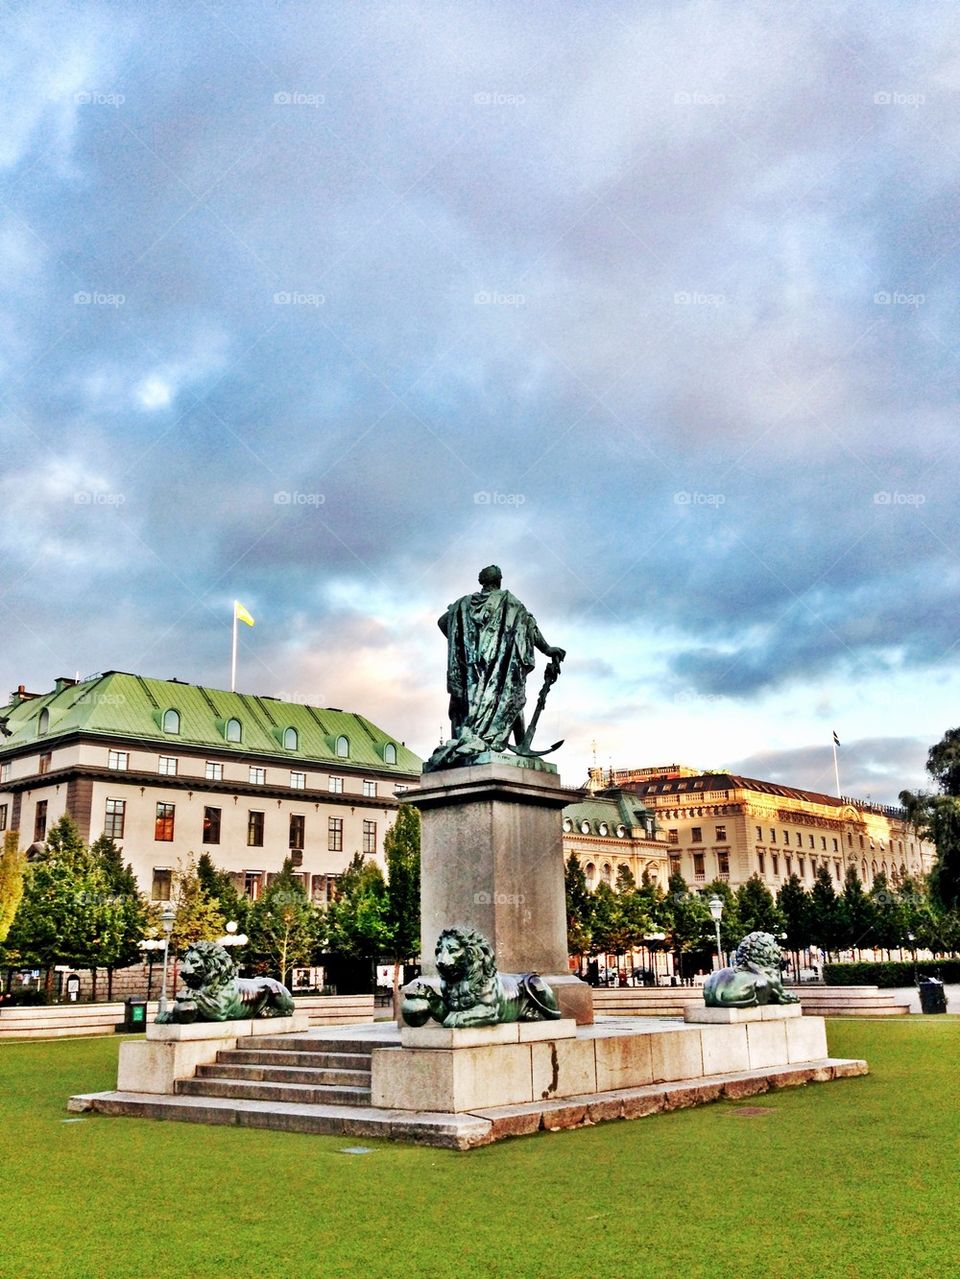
(119, 759)
(113, 819)
(213, 771)
(211, 825)
(823, 842)
(335, 834)
(369, 837)
(801, 867)
(333, 882)
(335, 785)
(168, 765)
(674, 865)
(788, 866)
(810, 837)
(162, 884)
(698, 871)
(254, 829)
(298, 781)
(673, 836)
(696, 835)
(721, 834)
(836, 871)
(761, 863)
(297, 828)
(40, 821)
(4, 772)
(773, 836)
(45, 759)
(836, 847)
(723, 865)
(786, 837)
(163, 826)
(253, 883)
(3, 816)
(775, 865)
(759, 832)
(369, 789)
(257, 775)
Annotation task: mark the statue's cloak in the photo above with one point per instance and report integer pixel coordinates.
(490, 652)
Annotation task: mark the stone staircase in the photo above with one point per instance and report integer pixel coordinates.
(851, 1001)
(288, 1068)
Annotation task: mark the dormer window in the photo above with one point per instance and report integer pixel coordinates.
(234, 731)
(621, 832)
(567, 824)
(343, 747)
(584, 827)
(291, 739)
(389, 753)
(43, 723)
(171, 721)
(604, 828)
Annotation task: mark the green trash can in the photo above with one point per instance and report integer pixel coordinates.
(933, 998)
(134, 1016)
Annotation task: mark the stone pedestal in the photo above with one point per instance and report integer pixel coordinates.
(492, 859)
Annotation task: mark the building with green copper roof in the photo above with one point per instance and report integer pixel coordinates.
(171, 769)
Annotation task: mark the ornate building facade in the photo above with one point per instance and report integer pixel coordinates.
(170, 769)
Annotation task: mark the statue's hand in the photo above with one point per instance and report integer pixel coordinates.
(558, 653)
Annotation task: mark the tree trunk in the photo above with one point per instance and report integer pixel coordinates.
(109, 982)
(93, 984)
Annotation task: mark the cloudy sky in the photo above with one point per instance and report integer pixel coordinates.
(324, 306)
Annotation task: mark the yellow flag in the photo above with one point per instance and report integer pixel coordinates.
(241, 614)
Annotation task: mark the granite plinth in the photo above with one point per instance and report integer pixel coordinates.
(515, 1032)
(735, 1016)
(492, 859)
(177, 1032)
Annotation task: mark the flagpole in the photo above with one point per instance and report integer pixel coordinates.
(836, 770)
(233, 656)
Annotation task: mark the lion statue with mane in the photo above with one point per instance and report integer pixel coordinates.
(468, 990)
(754, 980)
(214, 992)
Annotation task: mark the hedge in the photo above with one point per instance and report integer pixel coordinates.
(893, 974)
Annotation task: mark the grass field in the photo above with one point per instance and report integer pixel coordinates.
(854, 1178)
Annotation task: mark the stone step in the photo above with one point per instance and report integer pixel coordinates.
(312, 1094)
(309, 1043)
(285, 1074)
(315, 1060)
(856, 1010)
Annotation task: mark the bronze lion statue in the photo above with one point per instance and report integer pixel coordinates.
(755, 978)
(468, 990)
(214, 992)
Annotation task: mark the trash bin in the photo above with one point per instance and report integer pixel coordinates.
(932, 996)
(134, 1016)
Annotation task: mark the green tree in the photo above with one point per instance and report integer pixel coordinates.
(127, 914)
(731, 930)
(889, 926)
(756, 908)
(686, 920)
(401, 850)
(220, 887)
(65, 910)
(198, 917)
(355, 924)
(857, 913)
(12, 866)
(827, 925)
(625, 880)
(793, 903)
(281, 924)
(579, 909)
(937, 817)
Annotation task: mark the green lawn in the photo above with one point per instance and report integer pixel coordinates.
(856, 1179)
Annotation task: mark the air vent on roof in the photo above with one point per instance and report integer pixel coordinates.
(338, 709)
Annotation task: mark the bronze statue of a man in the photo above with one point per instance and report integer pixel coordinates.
(491, 638)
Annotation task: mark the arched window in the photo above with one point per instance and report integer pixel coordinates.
(591, 873)
(43, 723)
(171, 721)
(389, 753)
(863, 871)
(291, 740)
(234, 731)
(607, 873)
(343, 746)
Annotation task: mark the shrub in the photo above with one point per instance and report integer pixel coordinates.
(892, 974)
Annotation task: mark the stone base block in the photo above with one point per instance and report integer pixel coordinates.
(154, 1066)
(574, 996)
(701, 1015)
(177, 1033)
(451, 1080)
(517, 1032)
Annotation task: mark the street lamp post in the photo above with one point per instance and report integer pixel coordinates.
(716, 912)
(168, 915)
(913, 946)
